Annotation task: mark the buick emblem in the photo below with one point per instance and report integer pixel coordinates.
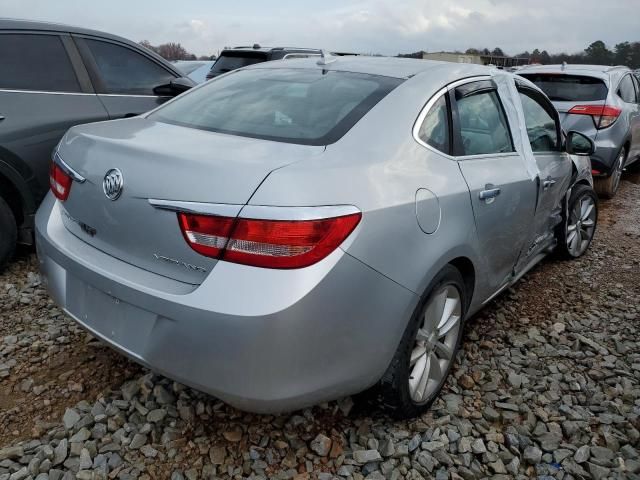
(113, 184)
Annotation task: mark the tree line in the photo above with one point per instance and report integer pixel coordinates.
(174, 51)
(625, 53)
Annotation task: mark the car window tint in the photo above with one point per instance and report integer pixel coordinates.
(304, 106)
(626, 90)
(434, 130)
(125, 71)
(36, 62)
(483, 125)
(541, 126)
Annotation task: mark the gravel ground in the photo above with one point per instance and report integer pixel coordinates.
(547, 385)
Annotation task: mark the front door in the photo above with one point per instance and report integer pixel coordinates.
(554, 167)
(503, 195)
(124, 78)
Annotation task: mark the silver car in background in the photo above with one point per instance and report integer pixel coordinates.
(602, 103)
(293, 232)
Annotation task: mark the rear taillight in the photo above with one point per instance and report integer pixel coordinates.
(59, 181)
(266, 243)
(603, 115)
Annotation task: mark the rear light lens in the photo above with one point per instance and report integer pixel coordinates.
(603, 115)
(59, 181)
(267, 243)
(595, 172)
(205, 234)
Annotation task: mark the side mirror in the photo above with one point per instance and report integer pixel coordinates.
(174, 88)
(579, 144)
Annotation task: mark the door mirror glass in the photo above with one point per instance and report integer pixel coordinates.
(579, 144)
(174, 87)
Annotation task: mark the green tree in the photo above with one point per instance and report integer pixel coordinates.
(598, 53)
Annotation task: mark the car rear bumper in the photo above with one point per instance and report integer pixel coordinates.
(262, 340)
(606, 154)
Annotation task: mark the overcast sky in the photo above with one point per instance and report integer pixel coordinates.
(371, 26)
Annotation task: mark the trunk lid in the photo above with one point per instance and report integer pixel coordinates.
(165, 162)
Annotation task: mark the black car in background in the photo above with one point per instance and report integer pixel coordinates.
(238, 57)
(52, 77)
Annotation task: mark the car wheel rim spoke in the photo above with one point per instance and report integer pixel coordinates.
(434, 311)
(435, 342)
(417, 353)
(444, 351)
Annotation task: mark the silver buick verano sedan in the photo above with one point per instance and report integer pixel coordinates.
(297, 231)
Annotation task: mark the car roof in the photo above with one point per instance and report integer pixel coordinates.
(33, 25)
(258, 48)
(385, 66)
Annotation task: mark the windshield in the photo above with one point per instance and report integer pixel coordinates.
(569, 88)
(304, 106)
(229, 61)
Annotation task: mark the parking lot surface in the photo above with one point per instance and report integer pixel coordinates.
(547, 384)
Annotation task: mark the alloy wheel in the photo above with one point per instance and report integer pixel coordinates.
(435, 343)
(618, 170)
(581, 225)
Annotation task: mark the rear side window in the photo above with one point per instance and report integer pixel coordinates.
(434, 130)
(483, 124)
(308, 107)
(542, 129)
(626, 90)
(36, 62)
(229, 61)
(569, 88)
(125, 71)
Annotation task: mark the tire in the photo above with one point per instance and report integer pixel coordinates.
(606, 187)
(574, 242)
(393, 393)
(8, 234)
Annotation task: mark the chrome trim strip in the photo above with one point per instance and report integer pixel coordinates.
(45, 92)
(265, 212)
(216, 209)
(67, 169)
(258, 212)
(131, 95)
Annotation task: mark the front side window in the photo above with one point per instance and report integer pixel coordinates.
(304, 106)
(35, 62)
(626, 90)
(483, 124)
(434, 130)
(541, 125)
(124, 71)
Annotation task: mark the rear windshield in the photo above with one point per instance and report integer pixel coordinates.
(229, 61)
(304, 106)
(569, 88)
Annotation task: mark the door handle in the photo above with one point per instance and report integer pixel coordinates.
(548, 183)
(1, 117)
(490, 193)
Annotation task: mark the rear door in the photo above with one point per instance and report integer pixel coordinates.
(124, 77)
(503, 195)
(44, 90)
(629, 95)
(554, 166)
